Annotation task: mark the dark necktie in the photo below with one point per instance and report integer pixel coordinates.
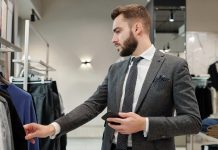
(128, 100)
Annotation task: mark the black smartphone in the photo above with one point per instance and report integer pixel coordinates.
(111, 115)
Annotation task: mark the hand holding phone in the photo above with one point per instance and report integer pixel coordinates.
(111, 115)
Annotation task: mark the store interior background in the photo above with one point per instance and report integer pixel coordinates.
(80, 30)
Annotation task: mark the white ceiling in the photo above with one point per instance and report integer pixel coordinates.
(25, 8)
(201, 14)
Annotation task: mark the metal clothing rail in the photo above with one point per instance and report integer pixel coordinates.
(26, 62)
(47, 67)
(44, 40)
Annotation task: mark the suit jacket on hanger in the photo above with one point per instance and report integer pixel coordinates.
(167, 87)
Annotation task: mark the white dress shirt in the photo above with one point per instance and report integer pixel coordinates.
(142, 67)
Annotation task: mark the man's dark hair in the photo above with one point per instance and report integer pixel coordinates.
(133, 11)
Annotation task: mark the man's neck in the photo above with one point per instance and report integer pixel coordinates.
(143, 45)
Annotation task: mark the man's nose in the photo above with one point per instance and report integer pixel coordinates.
(114, 39)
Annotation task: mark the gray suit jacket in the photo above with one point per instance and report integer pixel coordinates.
(167, 87)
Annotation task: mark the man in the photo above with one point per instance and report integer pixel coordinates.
(147, 96)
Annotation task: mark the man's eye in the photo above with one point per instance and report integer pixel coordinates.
(118, 31)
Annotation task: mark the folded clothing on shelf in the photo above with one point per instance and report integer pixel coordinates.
(213, 131)
(206, 123)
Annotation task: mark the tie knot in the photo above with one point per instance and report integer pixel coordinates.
(136, 60)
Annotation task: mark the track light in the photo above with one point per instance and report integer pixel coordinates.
(34, 16)
(171, 18)
(168, 46)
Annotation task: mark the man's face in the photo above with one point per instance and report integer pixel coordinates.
(123, 38)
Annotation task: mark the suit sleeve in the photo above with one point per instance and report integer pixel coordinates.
(86, 111)
(187, 119)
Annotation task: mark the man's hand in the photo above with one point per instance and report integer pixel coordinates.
(129, 123)
(34, 130)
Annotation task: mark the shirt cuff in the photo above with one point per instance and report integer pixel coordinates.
(146, 127)
(57, 129)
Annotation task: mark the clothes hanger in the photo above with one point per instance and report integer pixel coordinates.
(3, 80)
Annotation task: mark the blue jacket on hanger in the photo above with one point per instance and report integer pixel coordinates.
(24, 105)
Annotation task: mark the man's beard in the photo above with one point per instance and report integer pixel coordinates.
(129, 46)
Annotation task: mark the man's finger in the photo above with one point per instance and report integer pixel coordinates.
(31, 136)
(32, 141)
(126, 115)
(115, 127)
(117, 120)
(29, 126)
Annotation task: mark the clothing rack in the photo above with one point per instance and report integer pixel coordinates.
(26, 63)
(201, 81)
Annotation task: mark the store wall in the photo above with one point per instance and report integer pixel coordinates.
(202, 35)
(202, 15)
(76, 29)
(202, 51)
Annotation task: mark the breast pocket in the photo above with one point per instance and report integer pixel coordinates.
(161, 82)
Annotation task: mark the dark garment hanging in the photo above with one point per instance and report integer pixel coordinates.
(47, 104)
(63, 138)
(17, 128)
(48, 109)
(204, 99)
(63, 141)
(212, 70)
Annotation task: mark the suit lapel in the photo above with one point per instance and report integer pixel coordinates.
(156, 63)
(121, 76)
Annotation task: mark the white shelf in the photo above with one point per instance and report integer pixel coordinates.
(9, 45)
(208, 138)
(200, 139)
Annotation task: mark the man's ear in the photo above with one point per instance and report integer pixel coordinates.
(138, 28)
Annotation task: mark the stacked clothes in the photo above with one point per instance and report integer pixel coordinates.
(210, 127)
(207, 123)
(213, 131)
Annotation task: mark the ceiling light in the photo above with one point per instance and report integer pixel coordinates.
(191, 39)
(171, 18)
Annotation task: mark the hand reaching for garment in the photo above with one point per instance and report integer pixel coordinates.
(34, 130)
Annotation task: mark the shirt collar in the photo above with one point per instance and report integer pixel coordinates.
(148, 53)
